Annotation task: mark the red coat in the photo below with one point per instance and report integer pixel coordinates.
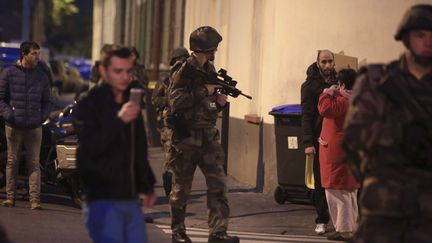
(334, 174)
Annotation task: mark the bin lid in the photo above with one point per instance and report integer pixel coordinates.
(286, 109)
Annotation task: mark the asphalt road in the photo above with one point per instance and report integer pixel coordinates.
(59, 221)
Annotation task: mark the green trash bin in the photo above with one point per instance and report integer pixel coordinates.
(290, 156)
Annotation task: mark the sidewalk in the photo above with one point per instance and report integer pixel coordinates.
(250, 211)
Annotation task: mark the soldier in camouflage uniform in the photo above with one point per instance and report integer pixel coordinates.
(160, 102)
(194, 106)
(139, 72)
(388, 139)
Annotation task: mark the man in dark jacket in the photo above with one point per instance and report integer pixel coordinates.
(25, 105)
(320, 75)
(112, 155)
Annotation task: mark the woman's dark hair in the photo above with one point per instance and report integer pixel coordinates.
(347, 77)
(26, 47)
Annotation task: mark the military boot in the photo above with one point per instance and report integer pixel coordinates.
(35, 204)
(223, 238)
(180, 238)
(8, 203)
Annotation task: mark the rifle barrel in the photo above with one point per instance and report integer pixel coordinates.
(247, 96)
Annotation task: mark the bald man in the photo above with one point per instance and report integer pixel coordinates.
(320, 75)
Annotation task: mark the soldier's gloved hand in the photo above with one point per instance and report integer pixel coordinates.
(310, 150)
(211, 88)
(221, 100)
(128, 112)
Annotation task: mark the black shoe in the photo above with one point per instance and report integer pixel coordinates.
(180, 238)
(332, 234)
(223, 238)
(337, 237)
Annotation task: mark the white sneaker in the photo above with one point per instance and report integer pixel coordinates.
(320, 229)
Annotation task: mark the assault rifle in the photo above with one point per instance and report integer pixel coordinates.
(226, 83)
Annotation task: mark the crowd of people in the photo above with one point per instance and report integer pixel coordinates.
(369, 129)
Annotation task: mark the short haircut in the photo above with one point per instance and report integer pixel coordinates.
(347, 77)
(319, 52)
(122, 52)
(26, 47)
(109, 47)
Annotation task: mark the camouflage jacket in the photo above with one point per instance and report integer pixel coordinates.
(160, 99)
(384, 136)
(140, 75)
(188, 98)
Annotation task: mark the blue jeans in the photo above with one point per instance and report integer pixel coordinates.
(111, 221)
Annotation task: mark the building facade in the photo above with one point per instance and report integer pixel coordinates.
(267, 46)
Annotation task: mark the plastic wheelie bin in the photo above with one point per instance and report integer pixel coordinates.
(290, 156)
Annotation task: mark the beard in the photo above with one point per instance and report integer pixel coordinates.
(211, 56)
(326, 73)
(424, 61)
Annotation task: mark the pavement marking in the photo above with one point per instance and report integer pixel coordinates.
(201, 235)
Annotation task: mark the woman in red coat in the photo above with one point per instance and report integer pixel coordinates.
(340, 186)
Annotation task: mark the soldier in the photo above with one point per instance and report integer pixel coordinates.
(388, 138)
(194, 106)
(160, 101)
(139, 74)
(320, 75)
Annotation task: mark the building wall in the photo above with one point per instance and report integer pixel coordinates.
(267, 46)
(106, 24)
(132, 23)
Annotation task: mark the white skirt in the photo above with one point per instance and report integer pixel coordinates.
(343, 209)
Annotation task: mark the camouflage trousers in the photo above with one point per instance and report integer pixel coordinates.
(201, 150)
(395, 210)
(165, 135)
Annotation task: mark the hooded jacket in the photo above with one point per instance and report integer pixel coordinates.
(310, 91)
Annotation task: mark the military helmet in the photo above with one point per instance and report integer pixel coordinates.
(204, 39)
(417, 17)
(177, 53)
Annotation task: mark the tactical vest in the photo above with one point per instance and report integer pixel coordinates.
(204, 110)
